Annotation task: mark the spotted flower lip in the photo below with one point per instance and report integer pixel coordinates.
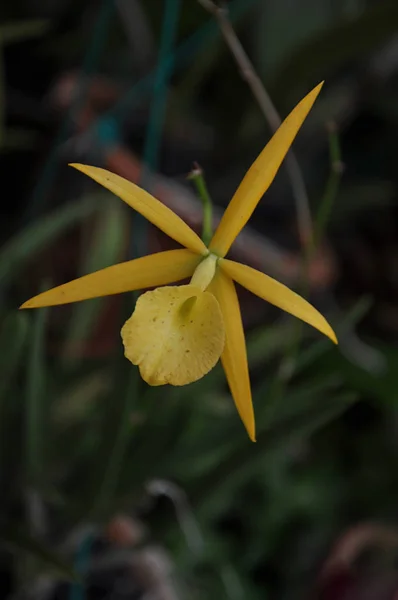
(176, 334)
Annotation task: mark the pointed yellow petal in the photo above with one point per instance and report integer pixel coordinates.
(175, 335)
(278, 294)
(144, 203)
(156, 269)
(234, 358)
(259, 177)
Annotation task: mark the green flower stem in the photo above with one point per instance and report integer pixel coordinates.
(196, 175)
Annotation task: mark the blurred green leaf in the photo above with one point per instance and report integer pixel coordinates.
(266, 342)
(14, 333)
(349, 320)
(244, 459)
(2, 99)
(13, 336)
(114, 433)
(299, 398)
(334, 47)
(377, 387)
(20, 543)
(23, 246)
(75, 402)
(332, 188)
(158, 440)
(274, 36)
(19, 31)
(105, 249)
(361, 196)
(16, 139)
(36, 398)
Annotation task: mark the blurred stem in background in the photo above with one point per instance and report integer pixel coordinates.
(267, 107)
(12, 32)
(35, 391)
(163, 72)
(91, 59)
(288, 364)
(154, 130)
(332, 185)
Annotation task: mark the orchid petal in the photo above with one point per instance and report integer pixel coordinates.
(234, 357)
(157, 269)
(278, 294)
(152, 209)
(259, 177)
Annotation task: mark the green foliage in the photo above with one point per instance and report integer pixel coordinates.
(335, 45)
(20, 31)
(16, 252)
(43, 557)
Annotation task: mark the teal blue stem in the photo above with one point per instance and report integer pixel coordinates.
(156, 115)
(159, 95)
(91, 59)
(181, 58)
(82, 558)
(185, 53)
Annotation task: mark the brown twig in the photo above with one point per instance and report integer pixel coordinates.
(271, 114)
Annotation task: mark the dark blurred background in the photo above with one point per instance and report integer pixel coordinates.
(110, 489)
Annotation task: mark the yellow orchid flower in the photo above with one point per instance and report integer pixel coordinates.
(176, 334)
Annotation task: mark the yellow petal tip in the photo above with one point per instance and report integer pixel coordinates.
(87, 170)
(249, 423)
(77, 166)
(29, 304)
(333, 337)
(32, 304)
(328, 331)
(322, 325)
(314, 92)
(252, 436)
